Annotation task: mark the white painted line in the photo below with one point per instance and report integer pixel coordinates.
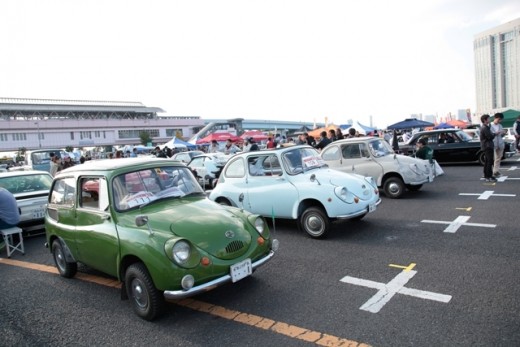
(395, 286)
(512, 168)
(486, 194)
(457, 223)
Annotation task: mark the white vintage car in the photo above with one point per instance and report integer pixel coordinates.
(374, 157)
(294, 183)
(30, 188)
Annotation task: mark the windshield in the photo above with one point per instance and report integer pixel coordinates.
(464, 136)
(299, 160)
(26, 183)
(134, 189)
(380, 148)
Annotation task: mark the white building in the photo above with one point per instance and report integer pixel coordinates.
(37, 123)
(497, 68)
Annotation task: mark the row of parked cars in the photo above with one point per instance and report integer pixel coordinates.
(149, 222)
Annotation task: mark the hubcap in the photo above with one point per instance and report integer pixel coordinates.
(393, 188)
(314, 224)
(139, 293)
(60, 259)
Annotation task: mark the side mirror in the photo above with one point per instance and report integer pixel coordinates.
(141, 220)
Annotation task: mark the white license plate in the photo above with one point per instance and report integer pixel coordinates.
(36, 214)
(241, 270)
(371, 208)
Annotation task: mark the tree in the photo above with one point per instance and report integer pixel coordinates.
(145, 138)
(20, 156)
(69, 149)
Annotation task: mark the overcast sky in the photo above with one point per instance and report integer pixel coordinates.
(285, 60)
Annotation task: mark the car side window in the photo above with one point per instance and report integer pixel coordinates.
(351, 151)
(63, 192)
(89, 193)
(236, 168)
(330, 153)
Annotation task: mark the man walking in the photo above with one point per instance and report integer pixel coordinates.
(486, 145)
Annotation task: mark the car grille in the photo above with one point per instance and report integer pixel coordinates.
(234, 246)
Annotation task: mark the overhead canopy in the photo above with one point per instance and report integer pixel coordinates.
(510, 116)
(317, 132)
(458, 123)
(410, 123)
(442, 126)
(360, 128)
(219, 137)
(178, 143)
(257, 135)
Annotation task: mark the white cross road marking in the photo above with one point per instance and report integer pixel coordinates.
(395, 286)
(457, 223)
(512, 168)
(486, 194)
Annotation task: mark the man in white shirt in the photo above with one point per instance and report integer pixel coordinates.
(498, 142)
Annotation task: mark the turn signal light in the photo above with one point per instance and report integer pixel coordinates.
(204, 261)
(260, 240)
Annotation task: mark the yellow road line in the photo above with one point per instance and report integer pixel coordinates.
(406, 268)
(292, 331)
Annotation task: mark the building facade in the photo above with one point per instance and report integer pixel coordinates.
(497, 68)
(38, 123)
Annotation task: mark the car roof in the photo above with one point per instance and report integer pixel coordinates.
(358, 139)
(113, 164)
(23, 173)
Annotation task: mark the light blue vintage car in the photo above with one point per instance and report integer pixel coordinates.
(295, 183)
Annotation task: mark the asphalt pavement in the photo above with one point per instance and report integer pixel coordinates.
(438, 267)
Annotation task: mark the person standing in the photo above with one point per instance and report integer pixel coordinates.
(498, 142)
(324, 141)
(270, 143)
(423, 151)
(9, 213)
(516, 132)
(55, 165)
(486, 145)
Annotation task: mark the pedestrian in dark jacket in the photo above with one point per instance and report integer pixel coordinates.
(486, 145)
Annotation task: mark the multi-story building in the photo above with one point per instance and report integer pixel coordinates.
(497, 68)
(37, 123)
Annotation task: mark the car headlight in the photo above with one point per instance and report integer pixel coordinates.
(341, 192)
(181, 252)
(259, 224)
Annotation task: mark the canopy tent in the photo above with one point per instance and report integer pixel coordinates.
(455, 123)
(257, 135)
(410, 123)
(316, 132)
(360, 128)
(219, 137)
(178, 143)
(443, 126)
(510, 116)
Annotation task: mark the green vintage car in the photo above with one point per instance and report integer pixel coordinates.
(149, 223)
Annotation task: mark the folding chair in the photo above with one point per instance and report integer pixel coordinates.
(9, 242)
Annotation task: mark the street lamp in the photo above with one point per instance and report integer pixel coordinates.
(39, 138)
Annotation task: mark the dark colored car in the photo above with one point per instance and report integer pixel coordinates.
(451, 146)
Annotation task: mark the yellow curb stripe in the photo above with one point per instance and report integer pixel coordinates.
(285, 329)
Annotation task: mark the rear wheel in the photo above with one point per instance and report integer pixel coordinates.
(146, 299)
(315, 222)
(482, 158)
(66, 269)
(394, 187)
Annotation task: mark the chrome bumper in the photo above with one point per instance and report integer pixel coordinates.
(358, 213)
(180, 294)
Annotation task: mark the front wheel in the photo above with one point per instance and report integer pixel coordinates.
(482, 158)
(315, 222)
(146, 299)
(66, 269)
(394, 187)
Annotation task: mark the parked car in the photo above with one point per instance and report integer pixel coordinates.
(294, 183)
(31, 189)
(186, 156)
(207, 167)
(373, 156)
(453, 146)
(147, 222)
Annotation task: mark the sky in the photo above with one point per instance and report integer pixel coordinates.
(373, 61)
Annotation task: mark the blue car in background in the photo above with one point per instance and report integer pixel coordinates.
(40, 159)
